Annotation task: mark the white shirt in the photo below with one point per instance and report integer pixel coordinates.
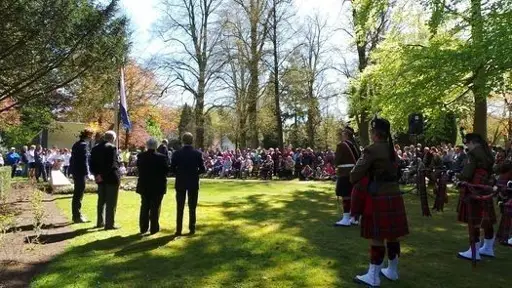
(67, 156)
(30, 156)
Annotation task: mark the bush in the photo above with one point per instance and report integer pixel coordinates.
(5, 182)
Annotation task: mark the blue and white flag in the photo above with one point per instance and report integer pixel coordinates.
(123, 107)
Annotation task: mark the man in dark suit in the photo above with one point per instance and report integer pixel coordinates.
(104, 165)
(80, 171)
(187, 164)
(164, 149)
(151, 185)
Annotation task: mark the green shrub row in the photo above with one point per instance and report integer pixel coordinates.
(5, 182)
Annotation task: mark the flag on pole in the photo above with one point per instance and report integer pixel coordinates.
(123, 108)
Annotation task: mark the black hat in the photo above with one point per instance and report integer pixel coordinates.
(380, 124)
(348, 129)
(473, 137)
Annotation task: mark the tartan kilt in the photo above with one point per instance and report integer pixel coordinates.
(504, 229)
(358, 196)
(480, 210)
(384, 217)
(343, 187)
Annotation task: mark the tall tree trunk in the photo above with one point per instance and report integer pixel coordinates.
(310, 123)
(199, 112)
(364, 129)
(364, 121)
(479, 89)
(254, 74)
(277, 96)
(242, 130)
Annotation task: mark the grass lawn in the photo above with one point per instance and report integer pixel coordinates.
(254, 234)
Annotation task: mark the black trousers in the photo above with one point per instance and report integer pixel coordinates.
(41, 171)
(78, 195)
(13, 170)
(181, 196)
(150, 213)
(107, 204)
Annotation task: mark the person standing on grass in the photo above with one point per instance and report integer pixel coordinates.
(481, 215)
(31, 160)
(151, 185)
(13, 159)
(187, 164)
(345, 159)
(104, 166)
(377, 197)
(78, 166)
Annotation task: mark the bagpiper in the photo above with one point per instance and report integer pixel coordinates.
(377, 197)
(505, 202)
(477, 171)
(345, 159)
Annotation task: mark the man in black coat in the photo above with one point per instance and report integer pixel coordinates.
(104, 166)
(187, 164)
(79, 169)
(151, 185)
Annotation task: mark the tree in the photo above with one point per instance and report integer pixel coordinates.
(472, 69)
(46, 47)
(189, 24)
(312, 55)
(257, 14)
(370, 19)
(279, 19)
(186, 123)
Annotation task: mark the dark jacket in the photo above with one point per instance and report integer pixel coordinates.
(375, 164)
(153, 168)
(346, 155)
(104, 162)
(162, 149)
(78, 160)
(187, 164)
(476, 159)
(459, 161)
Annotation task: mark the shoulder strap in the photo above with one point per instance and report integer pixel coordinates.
(353, 151)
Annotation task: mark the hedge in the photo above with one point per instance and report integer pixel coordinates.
(5, 182)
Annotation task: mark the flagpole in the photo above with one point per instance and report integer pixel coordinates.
(116, 117)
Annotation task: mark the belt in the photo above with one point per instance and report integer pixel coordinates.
(346, 166)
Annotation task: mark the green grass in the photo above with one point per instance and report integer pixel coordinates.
(254, 234)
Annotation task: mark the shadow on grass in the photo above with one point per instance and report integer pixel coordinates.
(30, 227)
(277, 240)
(57, 237)
(146, 245)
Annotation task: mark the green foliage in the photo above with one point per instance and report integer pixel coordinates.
(441, 128)
(153, 128)
(33, 119)
(5, 183)
(186, 120)
(47, 45)
(442, 71)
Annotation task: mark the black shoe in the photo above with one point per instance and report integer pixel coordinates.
(192, 232)
(153, 232)
(177, 234)
(112, 228)
(100, 225)
(80, 219)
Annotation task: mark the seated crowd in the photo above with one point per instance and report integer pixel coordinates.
(304, 164)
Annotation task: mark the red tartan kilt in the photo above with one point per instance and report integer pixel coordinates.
(358, 196)
(480, 210)
(504, 229)
(384, 217)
